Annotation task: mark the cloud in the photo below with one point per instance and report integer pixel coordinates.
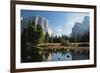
(59, 30)
(21, 18)
(49, 32)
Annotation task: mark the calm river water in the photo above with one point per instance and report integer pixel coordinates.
(45, 55)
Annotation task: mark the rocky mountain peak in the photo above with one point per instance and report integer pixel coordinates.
(80, 29)
(38, 20)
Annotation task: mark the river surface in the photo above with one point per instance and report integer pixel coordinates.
(58, 56)
(45, 55)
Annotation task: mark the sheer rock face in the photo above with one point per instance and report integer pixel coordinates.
(38, 20)
(80, 29)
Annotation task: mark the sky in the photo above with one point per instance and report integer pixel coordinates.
(60, 23)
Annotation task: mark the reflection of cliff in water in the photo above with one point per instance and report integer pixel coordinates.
(44, 55)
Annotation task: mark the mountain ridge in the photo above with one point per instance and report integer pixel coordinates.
(80, 29)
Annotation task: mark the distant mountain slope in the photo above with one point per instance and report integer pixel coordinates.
(38, 20)
(80, 29)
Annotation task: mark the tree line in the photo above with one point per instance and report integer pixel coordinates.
(34, 34)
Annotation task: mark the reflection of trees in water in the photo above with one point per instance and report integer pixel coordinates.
(44, 54)
(80, 54)
(39, 54)
(31, 55)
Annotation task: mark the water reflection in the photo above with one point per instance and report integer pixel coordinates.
(45, 55)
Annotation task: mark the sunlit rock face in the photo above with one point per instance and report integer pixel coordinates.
(80, 29)
(39, 20)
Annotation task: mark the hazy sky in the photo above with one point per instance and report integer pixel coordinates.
(59, 22)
